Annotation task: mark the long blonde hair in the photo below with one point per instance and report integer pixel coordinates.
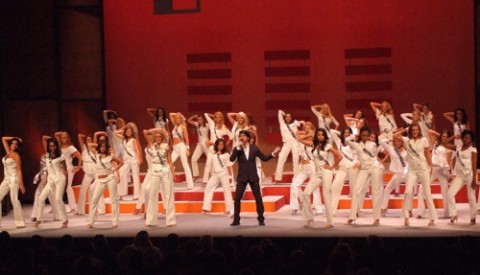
(134, 128)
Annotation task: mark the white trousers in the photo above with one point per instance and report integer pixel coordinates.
(305, 171)
(72, 203)
(36, 200)
(394, 182)
(87, 186)
(455, 186)
(212, 183)
(338, 183)
(288, 147)
(180, 150)
(413, 176)
(144, 195)
(200, 149)
(326, 178)
(11, 184)
(160, 182)
(56, 185)
(130, 164)
(442, 175)
(361, 183)
(111, 183)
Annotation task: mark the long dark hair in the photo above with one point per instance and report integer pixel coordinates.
(163, 117)
(107, 147)
(19, 145)
(342, 134)
(464, 116)
(363, 129)
(217, 142)
(439, 140)
(317, 142)
(57, 152)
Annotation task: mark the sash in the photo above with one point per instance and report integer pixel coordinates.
(126, 150)
(322, 158)
(291, 132)
(220, 161)
(400, 157)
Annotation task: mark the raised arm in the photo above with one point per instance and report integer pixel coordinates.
(407, 117)
(105, 114)
(119, 133)
(5, 141)
(349, 118)
(281, 117)
(81, 141)
(232, 117)
(375, 106)
(97, 134)
(44, 142)
(316, 109)
(449, 116)
(58, 135)
(399, 133)
(172, 117)
(148, 135)
(152, 112)
(417, 106)
(193, 120)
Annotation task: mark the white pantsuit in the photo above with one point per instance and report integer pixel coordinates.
(56, 182)
(442, 174)
(41, 180)
(11, 184)
(218, 166)
(399, 168)
(290, 144)
(161, 178)
(180, 150)
(418, 171)
(89, 184)
(200, 149)
(306, 171)
(67, 152)
(463, 175)
(370, 169)
(386, 124)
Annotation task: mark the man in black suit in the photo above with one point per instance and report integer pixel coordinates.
(247, 174)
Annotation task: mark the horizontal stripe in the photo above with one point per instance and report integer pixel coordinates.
(287, 71)
(209, 57)
(368, 69)
(368, 53)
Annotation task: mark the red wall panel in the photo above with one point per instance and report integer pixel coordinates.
(427, 48)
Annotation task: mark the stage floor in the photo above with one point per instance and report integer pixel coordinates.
(278, 224)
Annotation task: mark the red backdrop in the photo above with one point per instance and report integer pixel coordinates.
(419, 50)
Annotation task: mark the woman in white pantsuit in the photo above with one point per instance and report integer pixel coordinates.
(441, 170)
(355, 121)
(107, 176)
(218, 162)
(386, 120)
(202, 132)
(460, 123)
(132, 159)
(288, 130)
(181, 147)
(370, 169)
(69, 152)
(348, 167)
(159, 116)
(398, 166)
(465, 167)
(325, 118)
(419, 160)
(40, 179)
(13, 180)
(161, 178)
(56, 180)
(321, 153)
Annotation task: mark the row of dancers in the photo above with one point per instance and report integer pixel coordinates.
(318, 154)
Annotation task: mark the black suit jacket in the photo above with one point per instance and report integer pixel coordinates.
(247, 168)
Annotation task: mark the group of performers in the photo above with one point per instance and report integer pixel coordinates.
(326, 156)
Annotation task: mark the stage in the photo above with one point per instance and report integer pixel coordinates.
(279, 224)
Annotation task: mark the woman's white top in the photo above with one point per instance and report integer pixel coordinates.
(320, 158)
(149, 157)
(288, 131)
(104, 165)
(160, 123)
(386, 122)
(89, 160)
(177, 132)
(366, 153)
(218, 163)
(458, 128)
(159, 159)
(202, 132)
(129, 149)
(428, 119)
(9, 167)
(216, 133)
(236, 133)
(416, 152)
(463, 161)
(349, 155)
(324, 121)
(67, 152)
(398, 158)
(439, 156)
(55, 166)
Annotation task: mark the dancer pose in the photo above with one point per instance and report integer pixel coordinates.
(69, 152)
(161, 178)
(325, 117)
(321, 152)
(116, 141)
(426, 115)
(460, 123)
(218, 162)
(465, 167)
(416, 117)
(110, 117)
(159, 117)
(41, 180)
(355, 121)
(202, 131)
(13, 180)
(288, 130)
(348, 167)
(441, 160)
(107, 177)
(386, 121)
(56, 180)
(247, 174)
(181, 146)
(419, 163)
(89, 169)
(370, 168)
(132, 159)
(217, 130)
(398, 166)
